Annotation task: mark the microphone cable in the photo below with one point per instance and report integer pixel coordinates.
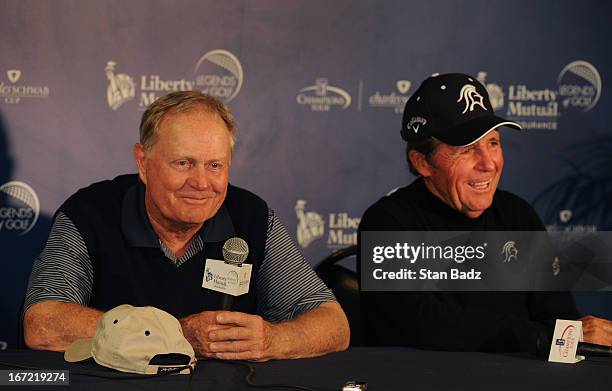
(248, 379)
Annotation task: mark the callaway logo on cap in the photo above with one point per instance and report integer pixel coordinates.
(143, 340)
(454, 108)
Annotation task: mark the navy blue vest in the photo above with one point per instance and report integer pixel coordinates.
(129, 266)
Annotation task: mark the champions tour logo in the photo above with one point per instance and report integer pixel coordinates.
(217, 73)
(578, 88)
(19, 208)
(13, 92)
(323, 97)
(342, 229)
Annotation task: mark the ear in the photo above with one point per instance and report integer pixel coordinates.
(420, 163)
(140, 157)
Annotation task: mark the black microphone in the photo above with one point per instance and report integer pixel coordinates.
(235, 250)
(593, 350)
(541, 341)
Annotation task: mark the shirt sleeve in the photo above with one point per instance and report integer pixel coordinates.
(63, 271)
(286, 284)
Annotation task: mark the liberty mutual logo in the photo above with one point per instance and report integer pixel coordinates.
(310, 224)
(121, 87)
(496, 93)
(342, 228)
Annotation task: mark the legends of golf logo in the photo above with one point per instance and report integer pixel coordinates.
(19, 208)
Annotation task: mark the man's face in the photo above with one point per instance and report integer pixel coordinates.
(466, 178)
(186, 171)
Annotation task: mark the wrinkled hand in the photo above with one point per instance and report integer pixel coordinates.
(196, 328)
(229, 335)
(248, 337)
(597, 330)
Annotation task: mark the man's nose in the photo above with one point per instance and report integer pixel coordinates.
(485, 159)
(198, 177)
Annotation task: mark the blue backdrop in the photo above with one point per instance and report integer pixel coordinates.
(317, 88)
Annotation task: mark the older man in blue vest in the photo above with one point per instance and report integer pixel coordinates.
(145, 239)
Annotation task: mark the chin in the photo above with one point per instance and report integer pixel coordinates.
(480, 207)
(196, 218)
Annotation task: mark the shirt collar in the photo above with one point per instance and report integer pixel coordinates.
(139, 232)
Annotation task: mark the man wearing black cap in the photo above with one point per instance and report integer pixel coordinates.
(454, 148)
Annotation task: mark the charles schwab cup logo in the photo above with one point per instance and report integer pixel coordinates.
(20, 207)
(392, 100)
(217, 73)
(566, 223)
(13, 92)
(565, 215)
(323, 97)
(13, 75)
(342, 230)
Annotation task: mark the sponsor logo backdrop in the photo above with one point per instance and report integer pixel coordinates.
(317, 90)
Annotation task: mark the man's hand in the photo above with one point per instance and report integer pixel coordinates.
(238, 336)
(597, 330)
(248, 337)
(197, 328)
(229, 335)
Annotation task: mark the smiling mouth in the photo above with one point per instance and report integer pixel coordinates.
(481, 185)
(196, 200)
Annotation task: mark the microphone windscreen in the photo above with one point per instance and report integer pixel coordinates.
(235, 250)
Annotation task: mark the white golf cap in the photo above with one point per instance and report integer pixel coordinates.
(143, 340)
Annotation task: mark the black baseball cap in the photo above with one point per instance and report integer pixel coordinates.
(454, 108)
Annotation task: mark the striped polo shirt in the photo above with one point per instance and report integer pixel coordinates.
(285, 286)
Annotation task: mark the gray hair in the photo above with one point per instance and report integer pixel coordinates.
(425, 147)
(181, 102)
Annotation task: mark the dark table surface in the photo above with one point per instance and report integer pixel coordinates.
(381, 368)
